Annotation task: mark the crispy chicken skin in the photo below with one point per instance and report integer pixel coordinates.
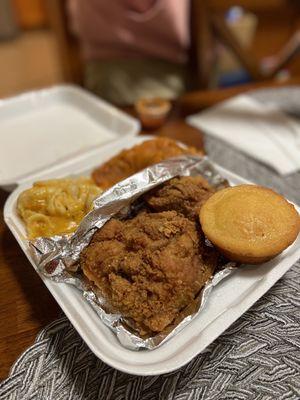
(133, 160)
(185, 195)
(149, 267)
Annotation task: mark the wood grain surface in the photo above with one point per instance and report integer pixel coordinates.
(25, 303)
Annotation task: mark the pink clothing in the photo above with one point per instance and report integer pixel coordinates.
(114, 29)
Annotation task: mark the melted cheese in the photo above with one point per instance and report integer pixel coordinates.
(57, 206)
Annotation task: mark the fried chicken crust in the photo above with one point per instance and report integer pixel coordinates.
(150, 267)
(133, 160)
(185, 195)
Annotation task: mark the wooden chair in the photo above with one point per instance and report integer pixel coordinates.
(68, 46)
(207, 28)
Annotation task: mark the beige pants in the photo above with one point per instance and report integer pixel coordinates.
(122, 82)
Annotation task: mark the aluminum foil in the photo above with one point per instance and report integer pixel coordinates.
(57, 257)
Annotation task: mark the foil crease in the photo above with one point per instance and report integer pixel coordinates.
(57, 257)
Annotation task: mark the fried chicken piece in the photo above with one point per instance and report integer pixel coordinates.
(133, 160)
(185, 194)
(150, 267)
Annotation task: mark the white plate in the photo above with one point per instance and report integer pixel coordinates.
(229, 300)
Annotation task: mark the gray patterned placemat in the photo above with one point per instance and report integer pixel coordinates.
(258, 357)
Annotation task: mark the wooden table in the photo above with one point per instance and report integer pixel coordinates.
(26, 306)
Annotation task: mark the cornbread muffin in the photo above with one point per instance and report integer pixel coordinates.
(249, 224)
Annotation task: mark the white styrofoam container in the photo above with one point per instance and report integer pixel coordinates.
(55, 128)
(229, 300)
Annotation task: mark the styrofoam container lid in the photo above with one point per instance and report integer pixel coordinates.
(49, 128)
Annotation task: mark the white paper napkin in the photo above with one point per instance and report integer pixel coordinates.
(261, 131)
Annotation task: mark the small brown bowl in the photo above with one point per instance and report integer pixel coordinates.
(152, 112)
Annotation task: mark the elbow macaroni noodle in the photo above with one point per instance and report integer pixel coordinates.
(56, 206)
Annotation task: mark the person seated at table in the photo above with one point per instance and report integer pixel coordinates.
(132, 48)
